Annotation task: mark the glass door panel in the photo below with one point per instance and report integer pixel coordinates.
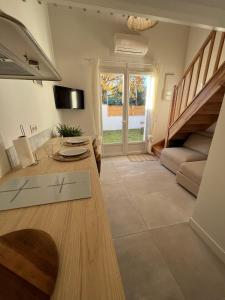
(139, 93)
(126, 103)
(112, 88)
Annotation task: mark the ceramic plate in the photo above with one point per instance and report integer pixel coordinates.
(72, 152)
(76, 140)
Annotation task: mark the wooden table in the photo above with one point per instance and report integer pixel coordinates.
(88, 264)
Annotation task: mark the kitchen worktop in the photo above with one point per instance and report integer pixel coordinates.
(88, 264)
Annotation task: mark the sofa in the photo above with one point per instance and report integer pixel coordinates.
(190, 175)
(188, 161)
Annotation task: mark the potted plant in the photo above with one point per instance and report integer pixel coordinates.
(68, 131)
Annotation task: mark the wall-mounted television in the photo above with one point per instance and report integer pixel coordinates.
(68, 98)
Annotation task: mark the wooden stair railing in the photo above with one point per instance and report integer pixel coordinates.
(205, 77)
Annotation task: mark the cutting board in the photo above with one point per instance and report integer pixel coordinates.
(28, 265)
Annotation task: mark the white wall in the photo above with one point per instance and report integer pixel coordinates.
(196, 38)
(115, 122)
(4, 163)
(209, 213)
(90, 35)
(23, 102)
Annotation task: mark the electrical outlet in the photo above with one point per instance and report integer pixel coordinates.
(33, 128)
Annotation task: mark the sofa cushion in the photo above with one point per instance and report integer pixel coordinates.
(172, 158)
(193, 170)
(187, 183)
(198, 142)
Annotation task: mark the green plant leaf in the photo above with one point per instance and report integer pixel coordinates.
(68, 131)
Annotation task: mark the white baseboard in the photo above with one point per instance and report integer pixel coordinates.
(214, 246)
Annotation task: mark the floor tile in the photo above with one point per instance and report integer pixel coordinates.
(116, 199)
(144, 273)
(169, 262)
(199, 273)
(117, 160)
(169, 206)
(109, 173)
(129, 170)
(180, 197)
(160, 210)
(125, 221)
(138, 186)
(123, 216)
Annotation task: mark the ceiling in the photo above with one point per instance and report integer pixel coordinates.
(208, 14)
(220, 4)
(211, 3)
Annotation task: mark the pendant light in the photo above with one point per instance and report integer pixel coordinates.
(140, 24)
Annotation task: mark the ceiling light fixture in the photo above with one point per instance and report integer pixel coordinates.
(140, 24)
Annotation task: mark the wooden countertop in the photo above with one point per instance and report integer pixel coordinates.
(88, 264)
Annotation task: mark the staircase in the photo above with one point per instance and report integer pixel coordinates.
(198, 97)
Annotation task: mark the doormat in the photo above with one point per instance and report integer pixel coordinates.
(141, 157)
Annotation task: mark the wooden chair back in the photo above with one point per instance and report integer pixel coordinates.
(97, 155)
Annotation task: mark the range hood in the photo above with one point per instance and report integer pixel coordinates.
(20, 55)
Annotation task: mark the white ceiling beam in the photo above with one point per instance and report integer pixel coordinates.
(176, 11)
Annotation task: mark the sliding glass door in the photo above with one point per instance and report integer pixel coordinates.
(124, 98)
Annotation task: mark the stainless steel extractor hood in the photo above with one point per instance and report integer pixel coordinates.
(20, 55)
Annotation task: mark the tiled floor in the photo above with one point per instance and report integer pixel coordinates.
(159, 255)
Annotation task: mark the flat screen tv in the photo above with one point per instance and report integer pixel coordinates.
(68, 98)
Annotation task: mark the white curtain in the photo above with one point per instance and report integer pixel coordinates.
(96, 100)
(150, 108)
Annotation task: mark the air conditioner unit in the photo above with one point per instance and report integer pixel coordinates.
(130, 44)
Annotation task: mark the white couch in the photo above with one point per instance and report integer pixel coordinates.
(190, 175)
(188, 161)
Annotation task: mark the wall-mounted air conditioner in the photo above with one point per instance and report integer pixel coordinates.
(130, 44)
(20, 55)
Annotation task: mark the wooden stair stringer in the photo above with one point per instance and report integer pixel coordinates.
(211, 94)
(158, 147)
